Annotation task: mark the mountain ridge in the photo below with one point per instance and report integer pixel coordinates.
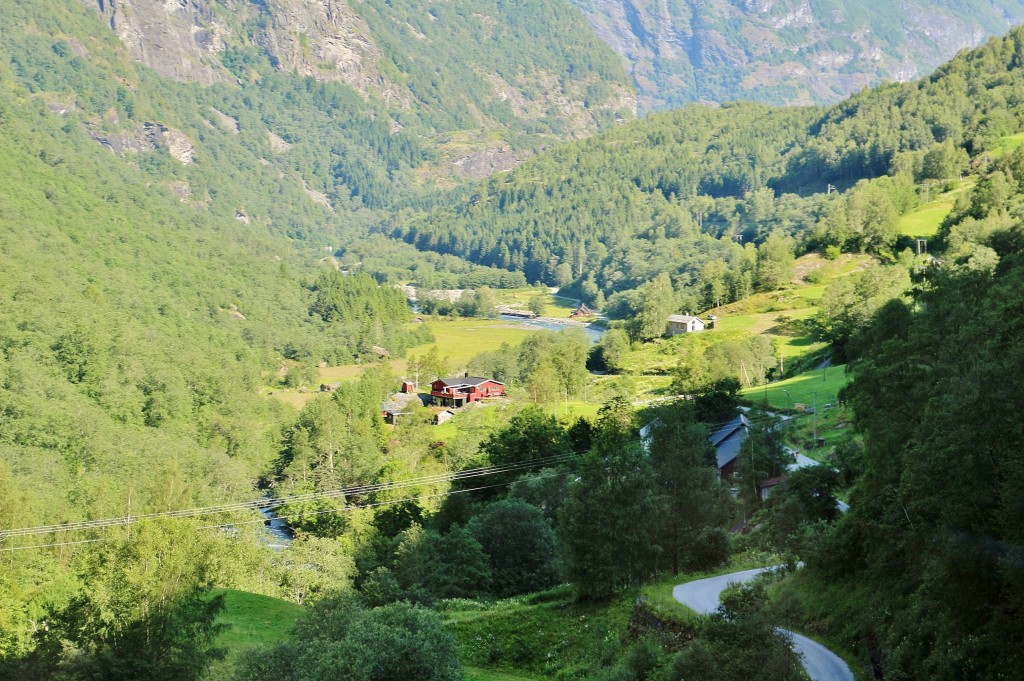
(786, 51)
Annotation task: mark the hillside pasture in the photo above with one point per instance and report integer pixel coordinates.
(253, 620)
(821, 385)
(925, 220)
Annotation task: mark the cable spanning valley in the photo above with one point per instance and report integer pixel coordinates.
(278, 502)
(270, 503)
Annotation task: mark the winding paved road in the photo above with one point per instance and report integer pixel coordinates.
(702, 596)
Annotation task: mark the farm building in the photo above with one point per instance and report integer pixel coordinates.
(460, 391)
(582, 311)
(727, 441)
(764, 489)
(443, 416)
(684, 323)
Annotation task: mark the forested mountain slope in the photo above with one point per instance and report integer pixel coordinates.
(789, 51)
(534, 67)
(679, 191)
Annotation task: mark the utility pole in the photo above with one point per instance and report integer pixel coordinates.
(790, 419)
(814, 407)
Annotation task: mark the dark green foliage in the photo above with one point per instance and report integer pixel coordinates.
(934, 518)
(340, 639)
(430, 565)
(762, 456)
(845, 312)
(619, 208)
(688, 480)
(737, 643)
(807, 496)
(530, 434)
(547, 489)
(336, 441)
(520, 547)
(608, 526)
(146, 613)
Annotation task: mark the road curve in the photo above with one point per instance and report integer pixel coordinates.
(703, 596)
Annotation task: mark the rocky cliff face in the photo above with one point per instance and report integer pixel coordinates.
(786, 51)
(330, 40)
(325, 40)
(179, 39)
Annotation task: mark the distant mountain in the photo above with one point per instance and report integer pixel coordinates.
(787, 51)
(684, 191)
(531, 66)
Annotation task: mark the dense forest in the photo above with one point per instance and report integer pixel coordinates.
(929, 549)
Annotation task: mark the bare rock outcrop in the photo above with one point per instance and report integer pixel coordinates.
(179, 39)
(148, 137)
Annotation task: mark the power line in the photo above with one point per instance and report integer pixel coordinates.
(278, 502)
(269, 503)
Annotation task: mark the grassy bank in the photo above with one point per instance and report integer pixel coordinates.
(252, 620)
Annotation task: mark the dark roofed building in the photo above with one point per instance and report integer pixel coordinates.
(727, 441)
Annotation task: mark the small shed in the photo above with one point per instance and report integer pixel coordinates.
(397, 405)
(408, 387)
(764, 488)
(582, 311)
(684, 323)
(443, 416)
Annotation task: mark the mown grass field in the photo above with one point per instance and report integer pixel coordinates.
(252, 620)
(457, 341)
(925, 220)
(820, 385)
(1007, 145)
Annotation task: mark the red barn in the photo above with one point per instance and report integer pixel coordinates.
(458, 392)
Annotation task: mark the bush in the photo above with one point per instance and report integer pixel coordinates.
(711, 549)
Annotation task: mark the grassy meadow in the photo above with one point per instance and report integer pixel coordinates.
(253, 620)
(821, 385)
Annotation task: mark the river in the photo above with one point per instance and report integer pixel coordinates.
(556, 324)
(279, 536)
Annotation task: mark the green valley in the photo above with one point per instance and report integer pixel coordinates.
(378, 340)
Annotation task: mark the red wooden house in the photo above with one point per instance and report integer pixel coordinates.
(458, 392)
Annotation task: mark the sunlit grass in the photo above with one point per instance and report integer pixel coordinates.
(253, 620)
(820, 385)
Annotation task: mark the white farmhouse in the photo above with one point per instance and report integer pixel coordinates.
(684, 323)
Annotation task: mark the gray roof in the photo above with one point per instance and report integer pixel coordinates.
(684, 318)
(468, 380)
(728, 439)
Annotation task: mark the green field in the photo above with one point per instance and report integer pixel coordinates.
(554, 304)
(478, 674)
(458, 340)
(1007, 145)
(820, 385)
(253, 620)
(925, 221)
